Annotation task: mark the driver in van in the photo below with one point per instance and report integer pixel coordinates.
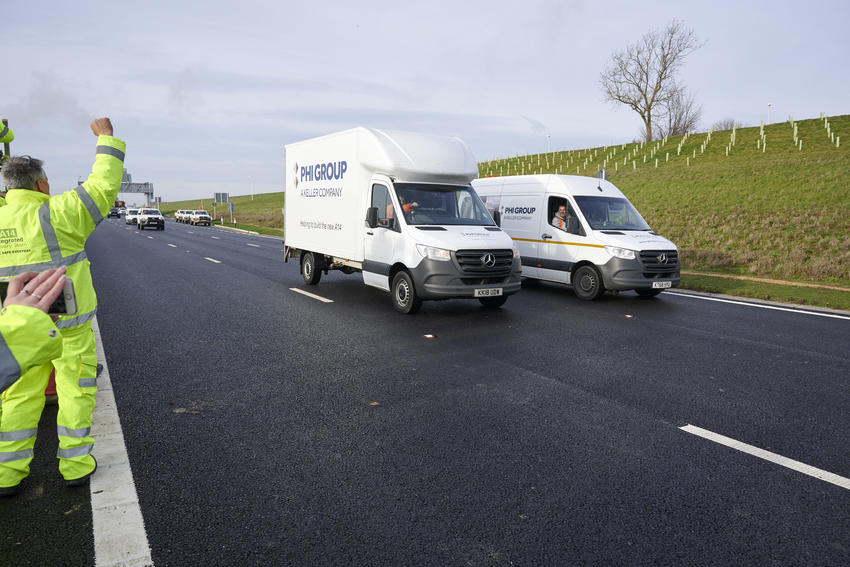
(560, 218)
(406, 207)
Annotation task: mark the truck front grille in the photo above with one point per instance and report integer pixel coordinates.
(478, 262)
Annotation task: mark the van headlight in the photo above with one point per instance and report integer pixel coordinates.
(433, 252)
(516, 251)
(623, 253)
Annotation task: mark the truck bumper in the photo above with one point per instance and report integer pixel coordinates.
(621, 275)
(436, 279)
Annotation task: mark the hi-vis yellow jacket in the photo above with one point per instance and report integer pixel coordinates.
(28, 338)
(6, 134)
(38, 232)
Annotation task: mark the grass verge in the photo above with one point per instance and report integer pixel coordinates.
(787, 293)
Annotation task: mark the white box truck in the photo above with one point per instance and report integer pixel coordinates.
(398, 208)
(581, 231)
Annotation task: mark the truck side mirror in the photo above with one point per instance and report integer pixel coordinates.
(372, 217)
(497, 218)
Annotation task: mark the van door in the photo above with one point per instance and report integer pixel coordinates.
(520, 216)
(381, 242)
(565, 239)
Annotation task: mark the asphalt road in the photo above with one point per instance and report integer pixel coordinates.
(264, 427)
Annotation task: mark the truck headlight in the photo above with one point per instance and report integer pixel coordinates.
(623, 253)
(434, 253)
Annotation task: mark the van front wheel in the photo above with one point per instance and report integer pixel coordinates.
(310, 271)
(587, 283)
(404, 294)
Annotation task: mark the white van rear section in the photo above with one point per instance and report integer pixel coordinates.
(398, 208)
(601, 243)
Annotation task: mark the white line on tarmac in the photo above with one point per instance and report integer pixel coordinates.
(173, 245)
(117, 523)
(216, 237)
(760, 306)
(151, 237)
(254, 245)
(314, 296)
(768, 456)
(212, 260)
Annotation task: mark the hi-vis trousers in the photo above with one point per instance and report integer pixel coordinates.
(20, 412)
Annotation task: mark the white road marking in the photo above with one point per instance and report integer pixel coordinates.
(760, 306)
(313, 295)
(254, 245)
(768, 456)
(173, 245)
(190, 232)
(151, 237)
(117, 523)
(212, 260)
(216, 237)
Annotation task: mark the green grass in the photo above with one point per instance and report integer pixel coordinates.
(782, 213)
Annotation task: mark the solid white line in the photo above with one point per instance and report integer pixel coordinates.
(768, 456)
(212, 260)
(117, 523)
(254, 245)
(173, 245)
(308, 294)
(774, 307)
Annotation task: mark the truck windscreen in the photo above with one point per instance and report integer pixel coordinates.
(610, 213)
(426, 203)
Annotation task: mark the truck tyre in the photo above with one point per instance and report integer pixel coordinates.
(648, 292)
(310, 269)
(493, 302)
(404, 295)
(587, 283)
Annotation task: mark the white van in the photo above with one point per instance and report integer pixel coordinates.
(398, 208)
(601, 243)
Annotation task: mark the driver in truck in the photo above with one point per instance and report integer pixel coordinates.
(406, 207)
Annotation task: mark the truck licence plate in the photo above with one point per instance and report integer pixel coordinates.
(488, 292)
(661, 285)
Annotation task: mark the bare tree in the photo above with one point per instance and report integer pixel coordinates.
(725, 124)
(680, 114)
(644, 75)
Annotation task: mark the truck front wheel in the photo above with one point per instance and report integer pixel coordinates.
(310, 270)
(587, 283)
(404, 294)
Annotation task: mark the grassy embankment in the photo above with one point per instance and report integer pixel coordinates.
(777, 213)
(261, 214)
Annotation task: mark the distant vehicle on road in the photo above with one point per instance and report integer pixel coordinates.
(132, 216)
(151, 217)
(580, 231)
(182, 215)
(113, 212)
(427, 234)
(199, 217)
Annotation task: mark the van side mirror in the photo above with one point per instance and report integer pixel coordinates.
(372, 217)
(497, 218)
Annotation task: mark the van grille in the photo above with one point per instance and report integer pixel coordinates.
(659, 262)
(472, 262)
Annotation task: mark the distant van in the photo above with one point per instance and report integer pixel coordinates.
(597, 242)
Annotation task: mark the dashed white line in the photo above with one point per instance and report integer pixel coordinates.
(212, 260)
(117, 523)
(151, 237)
(173, 245)
(216, 237)
(768, 456)
(312, 295)
(254, 245)
(760, 306)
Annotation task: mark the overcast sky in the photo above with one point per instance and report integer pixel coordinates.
(206, 94)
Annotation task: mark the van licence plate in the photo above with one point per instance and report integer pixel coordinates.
(661, 285)
(488, 292)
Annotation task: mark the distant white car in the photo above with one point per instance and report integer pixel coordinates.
(131, 217)
(151, 217)
(200, 217)
(182, 215)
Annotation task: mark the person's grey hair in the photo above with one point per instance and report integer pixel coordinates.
(22, 172)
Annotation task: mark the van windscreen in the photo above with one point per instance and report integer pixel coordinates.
(610, 213)
(426, 203)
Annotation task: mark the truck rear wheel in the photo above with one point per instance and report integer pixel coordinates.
(310, 270)
(587, 283)
(404, 294)
(493, 302)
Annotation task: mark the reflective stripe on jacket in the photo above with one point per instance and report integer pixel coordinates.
(6, 134)
(38, 232)
(28, 338)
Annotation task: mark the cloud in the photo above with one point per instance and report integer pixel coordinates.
(45, 100)
(534, 124)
